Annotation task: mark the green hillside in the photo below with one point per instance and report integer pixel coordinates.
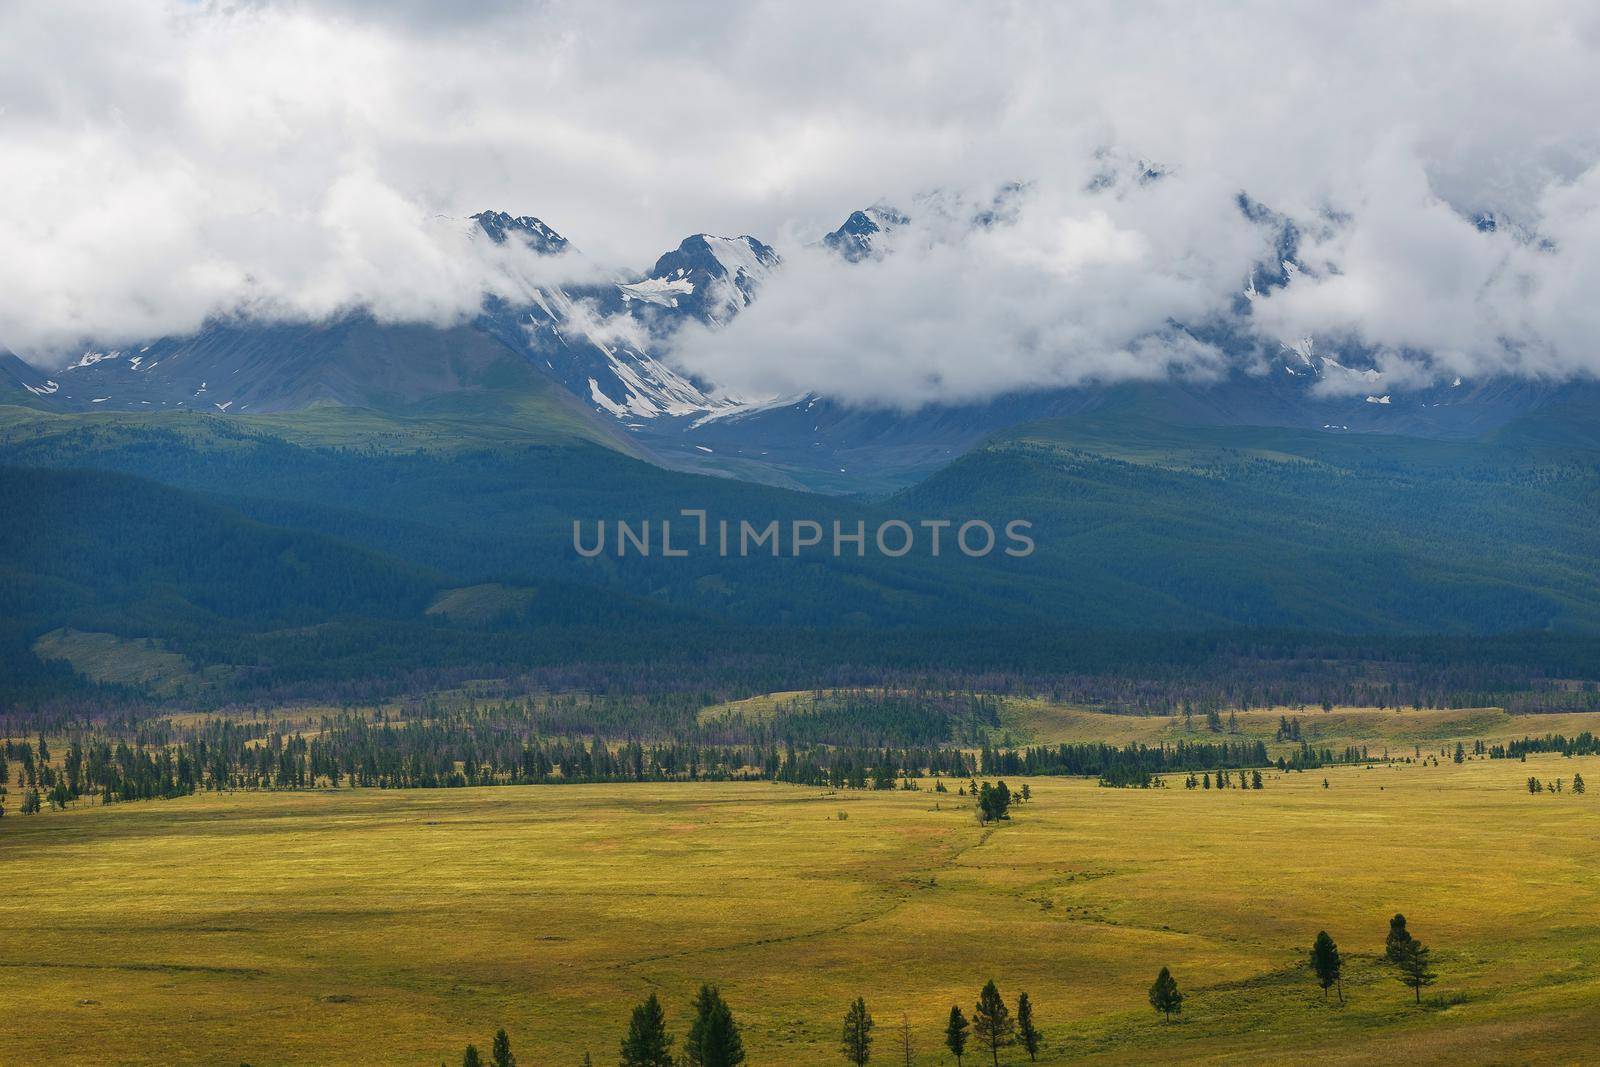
(338, 543)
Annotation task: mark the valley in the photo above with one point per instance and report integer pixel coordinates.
(398, 926)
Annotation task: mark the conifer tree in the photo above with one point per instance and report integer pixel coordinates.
(992, 1024)
(1398, 936)
(857, 1036)
(1577, 783)
(1164, 995)
(1415, 971)
(955, 1034)
(501, 1055)
(1027, 1033)
(648, 1044)
(714, 1039)
(1325, 962)
(470, 1058)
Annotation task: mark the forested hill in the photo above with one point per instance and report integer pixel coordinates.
(344, 544)
(1269, 527)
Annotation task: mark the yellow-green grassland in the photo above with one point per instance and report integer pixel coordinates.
(394, 927)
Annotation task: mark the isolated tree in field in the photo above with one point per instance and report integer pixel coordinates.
(1577, 783)
(857, 1037)
(1027, 1033)
(1415, 971)
(648, 1044)
(1164, 995)
(1325, 962)
(470, 1058)
(993, 802)
(714, 1039)
(907, 1050)
(955, 1034)
(501, 1055)
(992, 1024)
(1398, 938)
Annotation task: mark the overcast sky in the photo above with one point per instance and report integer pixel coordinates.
(165, 161)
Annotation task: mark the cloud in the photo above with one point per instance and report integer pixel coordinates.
(162, 161)
(1055, 295)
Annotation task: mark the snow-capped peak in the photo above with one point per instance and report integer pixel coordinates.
(712, 277)
(500, 225)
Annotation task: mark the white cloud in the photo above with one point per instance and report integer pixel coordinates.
(162, 160)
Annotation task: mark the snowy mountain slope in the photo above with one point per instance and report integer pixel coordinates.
(601, 340)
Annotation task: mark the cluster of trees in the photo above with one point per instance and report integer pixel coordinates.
(994, 802)
(1584, 744)
(1411, 959)
(1124, 763)
(1224, 780)
(1554, 786)
(499, 1054)
(714, 1038)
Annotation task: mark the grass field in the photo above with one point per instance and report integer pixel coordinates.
(394, 927)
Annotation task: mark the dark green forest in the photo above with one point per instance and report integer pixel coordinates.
(1240, 566)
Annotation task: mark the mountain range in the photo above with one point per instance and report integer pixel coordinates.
(354, 502)
(601, 342)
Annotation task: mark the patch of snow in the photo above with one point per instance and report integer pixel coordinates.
(89, 359)
(702, 448)
(1302, 348)
(605, 401)
(223, 406)
(42, 390)
(1378, 399)
(100, 400)
(660, 291)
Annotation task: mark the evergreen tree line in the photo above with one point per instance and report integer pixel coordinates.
(1584, 744)
(476, 747)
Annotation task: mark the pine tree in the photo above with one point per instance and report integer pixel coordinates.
(857, 1036)
(955, 1034)
(501, 1056)
(1398, 937)
(648, 1044)
(714, 1039)
(1027, 1033)
(1577, 783)
(1164, 995)
(470, 1058)
(1326, 963)
(908, 1051)
(992, 1024)
(1415, 971)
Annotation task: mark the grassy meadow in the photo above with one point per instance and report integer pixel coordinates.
(394, 927)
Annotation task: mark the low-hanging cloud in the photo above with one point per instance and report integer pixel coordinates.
(164, 161)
